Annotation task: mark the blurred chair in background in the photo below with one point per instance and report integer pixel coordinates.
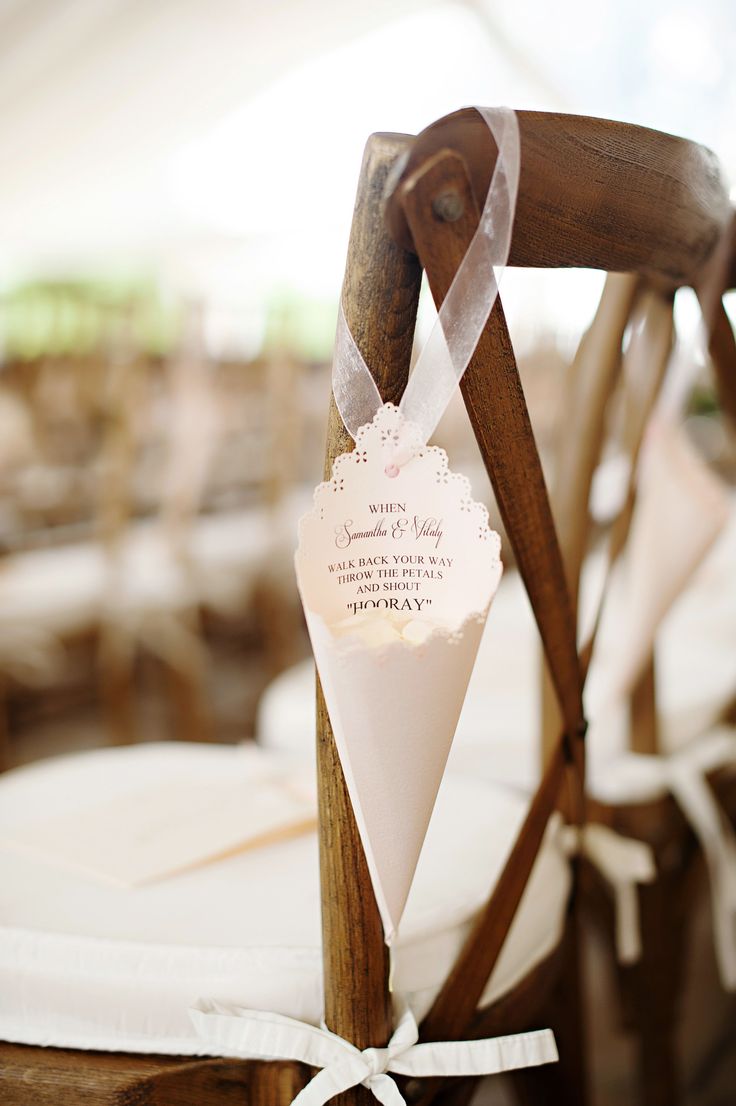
(148, 508)
(151, 599)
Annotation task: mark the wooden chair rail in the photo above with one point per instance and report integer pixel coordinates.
(525, 1006)
(640, 392)
(593, 193)
(596, 377)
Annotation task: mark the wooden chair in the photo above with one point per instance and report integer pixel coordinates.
(162, 618)
(49, 630)
(435, 188)
(595, 373)
(380, 296)
(595, 376)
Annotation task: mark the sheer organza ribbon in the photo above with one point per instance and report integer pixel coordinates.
(462, 315)
(255, 1035)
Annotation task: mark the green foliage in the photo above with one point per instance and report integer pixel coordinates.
(304, 327)
(77, 315)
(703, 400)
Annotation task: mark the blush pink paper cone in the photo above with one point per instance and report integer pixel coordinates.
(680, 511)
(394, 708)
(394, 711)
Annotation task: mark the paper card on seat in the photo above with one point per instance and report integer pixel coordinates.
(165, 829)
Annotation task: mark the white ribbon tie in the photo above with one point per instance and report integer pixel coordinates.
(256, 1035)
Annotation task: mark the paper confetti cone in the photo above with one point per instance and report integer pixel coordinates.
(397, 568)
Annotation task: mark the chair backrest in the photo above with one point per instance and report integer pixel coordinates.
(590, 194)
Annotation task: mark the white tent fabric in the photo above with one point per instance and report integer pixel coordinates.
(97, 96)
(126, 125)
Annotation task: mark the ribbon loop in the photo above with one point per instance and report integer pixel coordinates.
(256, 1035)
(461, 317)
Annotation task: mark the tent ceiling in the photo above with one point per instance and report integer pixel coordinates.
(100, 100)
(97, 95)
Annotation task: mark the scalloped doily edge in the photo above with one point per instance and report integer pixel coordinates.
(445, 474)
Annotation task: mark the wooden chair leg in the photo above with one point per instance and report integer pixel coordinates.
(651, 990)
(567, 1017)
(566, 1082)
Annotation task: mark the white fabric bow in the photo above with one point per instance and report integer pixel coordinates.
(623, 862)
(256, 1035)
(684, 774)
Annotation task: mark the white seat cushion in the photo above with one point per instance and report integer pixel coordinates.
(86, 965)
(48, 594)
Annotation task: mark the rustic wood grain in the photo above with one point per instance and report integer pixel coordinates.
(32, 1076)
(594, 193)
(716, 277)
(380, 295)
